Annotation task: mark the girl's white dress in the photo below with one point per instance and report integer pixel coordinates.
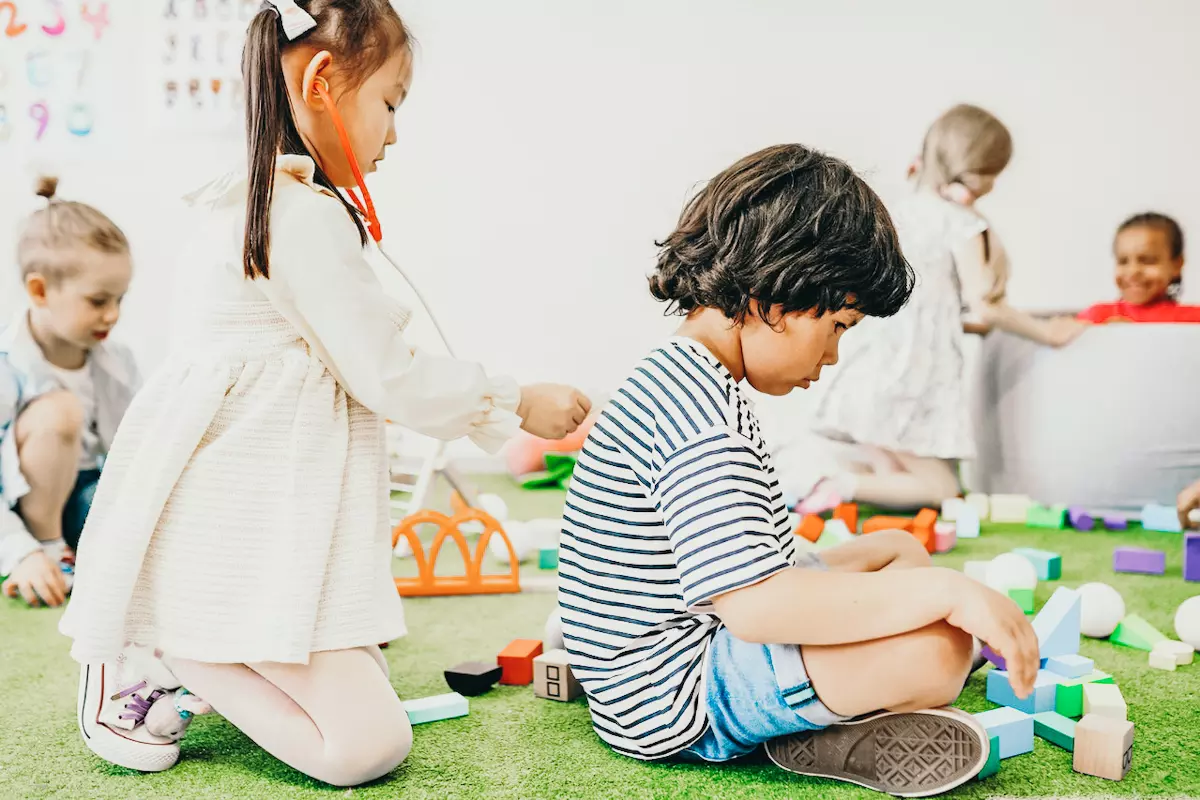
(901, 385)
(242, 515)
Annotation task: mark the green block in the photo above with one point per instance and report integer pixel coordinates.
(1136, 632)
(1043, 517)
(1047, 564)
(1068, 695)
(548, 558)
(1023, 598)
(993, 763)
(1055, 728)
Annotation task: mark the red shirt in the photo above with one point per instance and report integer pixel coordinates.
(1161, 311)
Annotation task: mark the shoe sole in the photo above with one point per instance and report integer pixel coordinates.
(919, 754)
(110, 744)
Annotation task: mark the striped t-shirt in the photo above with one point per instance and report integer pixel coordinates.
(673, 502)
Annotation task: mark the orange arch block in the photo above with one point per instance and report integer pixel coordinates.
(426, 584)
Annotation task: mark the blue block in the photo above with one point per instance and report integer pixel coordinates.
(1047, 564)
(1161, 518)
(966, 524)
(1045, 687)
(438, 707)
(1070, 666)
(1057, 624)
(1015, 729)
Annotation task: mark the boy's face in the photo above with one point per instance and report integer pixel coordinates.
(790, 354)
(1145, 267)
(83, 307)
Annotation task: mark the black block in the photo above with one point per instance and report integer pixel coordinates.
(473, 678)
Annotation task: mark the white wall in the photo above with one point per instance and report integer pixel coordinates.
(546, 144)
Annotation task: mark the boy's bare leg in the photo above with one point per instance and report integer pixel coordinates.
(48, 443)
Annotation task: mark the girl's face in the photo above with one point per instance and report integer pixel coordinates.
(789, 355)
(368, 111)
(1145, 267)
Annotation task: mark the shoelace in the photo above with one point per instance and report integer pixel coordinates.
(139, 705)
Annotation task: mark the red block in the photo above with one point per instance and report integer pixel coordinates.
(517, 661)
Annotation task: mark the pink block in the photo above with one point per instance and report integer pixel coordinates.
(1140, 560)
(1191, 557)
(944, 539)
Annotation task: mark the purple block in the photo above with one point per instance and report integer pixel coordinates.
(994, 657)
(1191, 557)
(1139, 559)
(1116, 523)
(1080, 519)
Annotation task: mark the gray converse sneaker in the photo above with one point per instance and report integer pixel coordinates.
(919, 754)
(114, 698)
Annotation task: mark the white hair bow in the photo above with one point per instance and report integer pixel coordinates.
(296, 21)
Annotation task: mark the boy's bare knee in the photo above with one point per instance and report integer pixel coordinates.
(942, 655)
(58, 414)
(369, 757)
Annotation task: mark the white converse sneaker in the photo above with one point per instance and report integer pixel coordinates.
(114, 698)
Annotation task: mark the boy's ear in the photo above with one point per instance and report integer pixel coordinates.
(35, 287)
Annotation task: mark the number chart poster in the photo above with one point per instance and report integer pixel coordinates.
(52, 58)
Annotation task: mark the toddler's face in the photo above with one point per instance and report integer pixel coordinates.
(83, 308)
(1145, 268)
(790, 354)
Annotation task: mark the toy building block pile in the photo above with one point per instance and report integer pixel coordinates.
(843, 524)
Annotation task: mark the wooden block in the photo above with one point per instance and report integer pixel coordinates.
(1070, 666)
(980, 504)
(1104, 699)
(548, 558)
(1055, 728)
(1023, 598)
(1068, 695)
(1139, 560)
(1161, 518)
(438, 707)
(1009, 507)
(923, 528)
(517, 661)
(1181, 653)
(847, 513)
(1057, 624)
(473, 677)
(993, 761)
(1133, 631)
(810, 528)
(1013, 728)
(1103, 747)
(1047, 563)
(875, 524)
(1161, 660)
(552, 677)
(1054, 517)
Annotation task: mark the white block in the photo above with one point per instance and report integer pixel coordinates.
(1010, 507)
(836, 529)
(981, 503)
(1180, 652)
(1162, 660)
(951, 507)
(1104, 699)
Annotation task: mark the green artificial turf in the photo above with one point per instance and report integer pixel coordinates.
(514, 745)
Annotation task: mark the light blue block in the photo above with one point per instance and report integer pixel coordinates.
(438, 707)
(1057, 624)
(966, 525)
(1070, 666)
(1045, 687)
(1161, 518)
(1015, 729)
(1047, 564)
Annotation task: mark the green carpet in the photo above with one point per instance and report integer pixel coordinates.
(515, 746)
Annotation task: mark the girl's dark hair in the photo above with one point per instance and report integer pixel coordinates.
(1170, 228)
(785, 226)
(362, 35)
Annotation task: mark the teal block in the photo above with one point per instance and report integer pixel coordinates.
(1057, 624)
(993, 761)
(1070, 666)
(1056, 729)
(1045, 688)
(438, 707)
(548, 558)
(1013, 728)
(1047, 564)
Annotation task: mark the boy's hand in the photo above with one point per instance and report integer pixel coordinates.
(552, 411)
(1189, 501)
(37, 579)
(999, 623)
(1061, 331)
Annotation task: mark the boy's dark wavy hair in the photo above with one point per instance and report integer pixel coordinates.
(786, 226)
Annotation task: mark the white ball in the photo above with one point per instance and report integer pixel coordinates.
(552, 637)
(522, 541)
(494, 505)
(1011, 571)
(1187, 621)
(1101, 609)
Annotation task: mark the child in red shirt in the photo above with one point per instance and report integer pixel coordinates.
(1149, 254)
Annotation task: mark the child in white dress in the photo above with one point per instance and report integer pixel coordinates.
(241, 526)
(900, 398)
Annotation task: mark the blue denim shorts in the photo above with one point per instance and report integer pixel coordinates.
(79, 504)
(754, 693)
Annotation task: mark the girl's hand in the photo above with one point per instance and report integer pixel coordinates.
(1000, 623)
(1061, 331)
(38, 580)
(1189, 501)
(551, 410)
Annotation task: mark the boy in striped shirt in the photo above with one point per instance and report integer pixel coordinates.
(694, 626)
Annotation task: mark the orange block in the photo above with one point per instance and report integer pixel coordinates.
(847, 513)
(810, 527)
(517, 661)
(887, 523)
(923, 527)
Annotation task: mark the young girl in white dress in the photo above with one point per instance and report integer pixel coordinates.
(899, 399)
(239, 542)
